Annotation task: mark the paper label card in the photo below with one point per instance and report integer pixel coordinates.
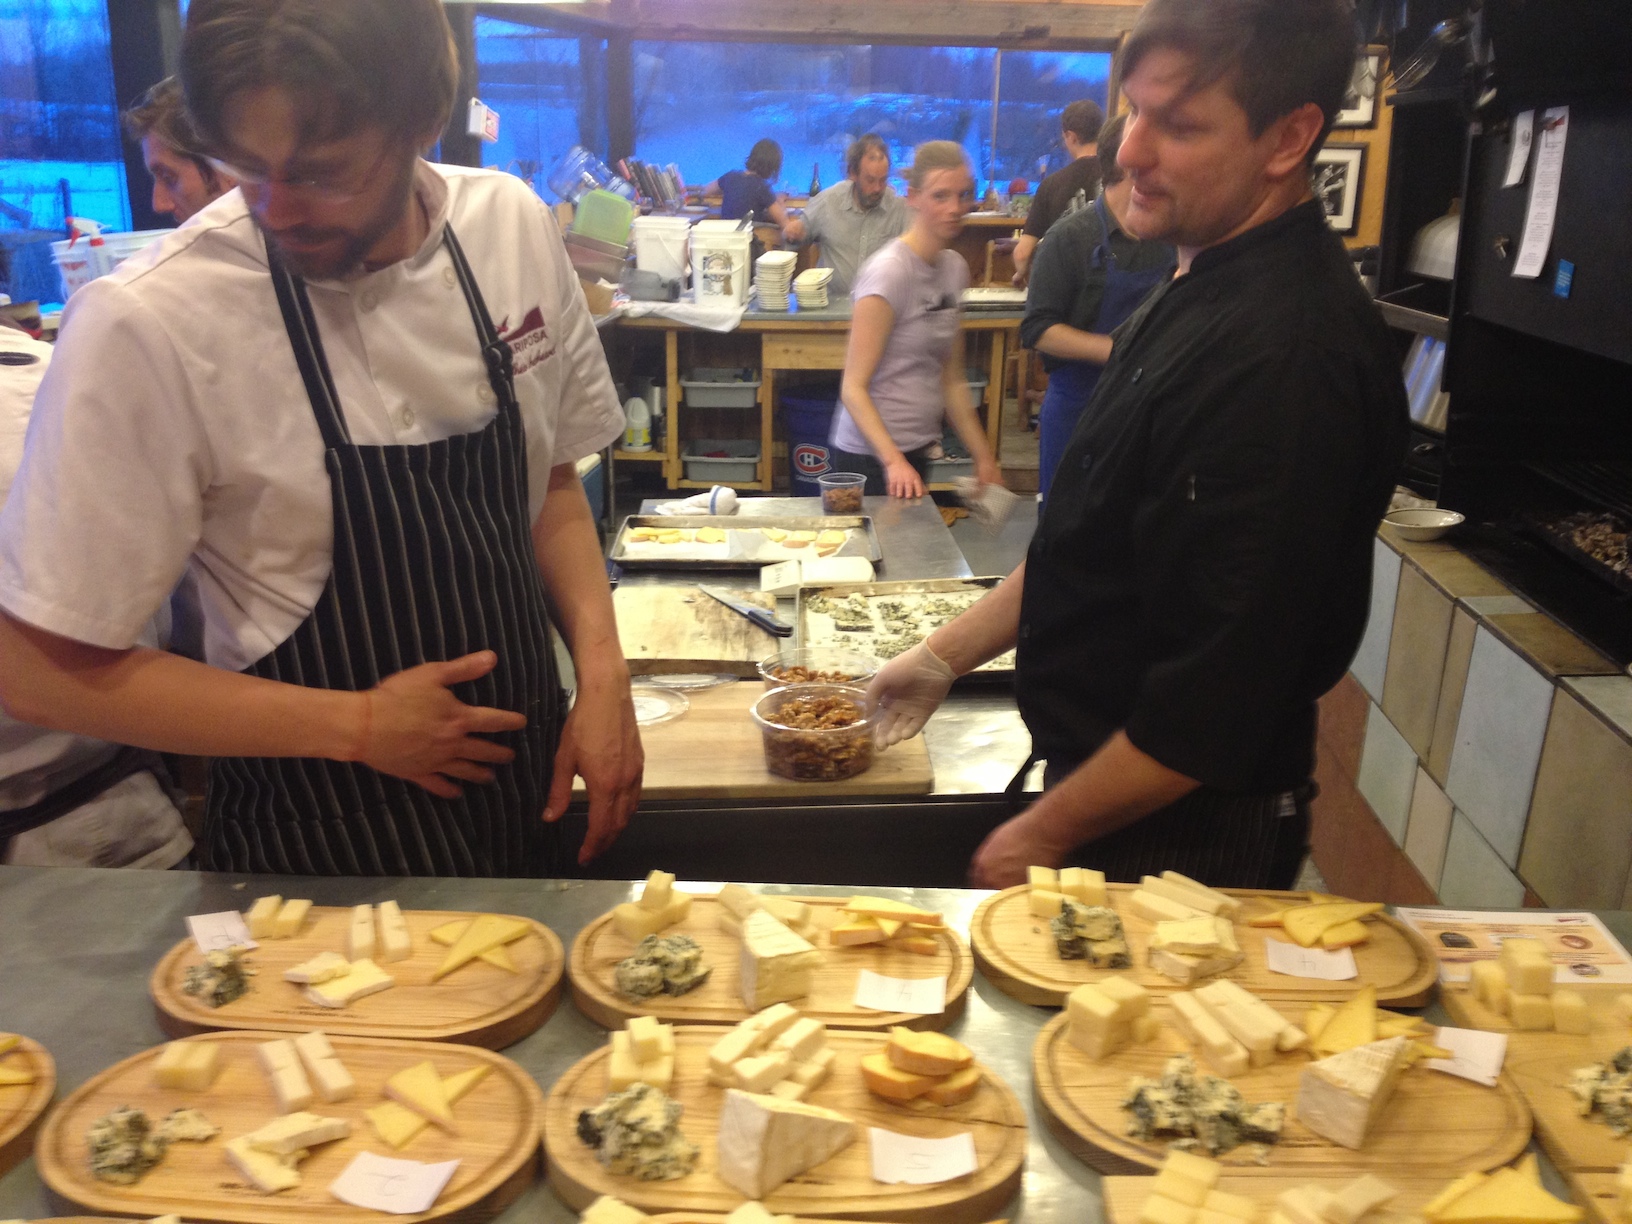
(1518, 156)
(218, 932)
(1477, 1055)
(1542, 210)
(917, 1161)
(400, 1187)
(1325, 964)
(1582, 948)
(920, 996)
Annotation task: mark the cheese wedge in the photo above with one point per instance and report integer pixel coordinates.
(260, 917)
(291, 917)
(1201, 899)
(1507, 1196)
(395, 943)
(659, 886)
(776, 964)
(363, 979)
(420, 1089)
(265, 1172)
(1306, 923)
(1353, 1024)
(1228, 906)
(1339, 1098)
(1451, 1193)
(764, 1141)
(448, 934)
(608, 1210)
(485, 932)
(396, 1124)
(881, 907)
(856, 931)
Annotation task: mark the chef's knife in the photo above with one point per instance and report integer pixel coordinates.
(765, 619)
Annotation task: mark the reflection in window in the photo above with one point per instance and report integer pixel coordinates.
(702, 105)
(536, 83)
(59, 134)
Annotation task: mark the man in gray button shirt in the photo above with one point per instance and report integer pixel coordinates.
(854, 218)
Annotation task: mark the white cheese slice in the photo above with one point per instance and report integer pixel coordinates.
(776, 963)
(1153, 907)
(324, 967)
(1189, 969)
(1200, 902)
(763, 1141)
(323, 1067)
(260, 916)
(289, 1083)
(1340, 1097)
(1229, 906)
(365, 978)
(291, 916)
(608, 1210)
(265, 1172)
(395, 943)
(360, 933)
(292, 1132)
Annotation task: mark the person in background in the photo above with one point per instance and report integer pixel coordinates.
(1201, 570)
(184, 181)
(1087, 277)
(854, 218)
(903, 371)
(359, 435)
(70, 800)
(1069, 188)
(752, 190)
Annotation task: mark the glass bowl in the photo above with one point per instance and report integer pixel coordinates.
(812, 752)
(817, 665)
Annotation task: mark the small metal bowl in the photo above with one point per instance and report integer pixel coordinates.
(1422, 522)
(831, 663)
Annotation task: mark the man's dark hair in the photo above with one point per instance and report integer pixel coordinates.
(1083, 119)
(161, 112)
(1110, 141)
(765, 159)
(858, 150)
(345, 63)
(1275, 55)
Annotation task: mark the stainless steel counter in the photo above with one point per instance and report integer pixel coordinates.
(79, 945)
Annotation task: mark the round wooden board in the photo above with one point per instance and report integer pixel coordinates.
(476, 1004)
(1598, 1195)
(1433, 1123)
(598, 949)
(1015, 951)
(1125, 1196)
(842, 1187)
(1539, 1064)
(22, 1105)
(497, 1144)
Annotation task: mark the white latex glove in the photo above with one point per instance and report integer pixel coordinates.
(906, 692)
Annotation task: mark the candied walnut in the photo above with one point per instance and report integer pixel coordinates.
(821, 738)
(842, 501)
(798, 673)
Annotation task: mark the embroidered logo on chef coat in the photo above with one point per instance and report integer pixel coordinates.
(528, 341)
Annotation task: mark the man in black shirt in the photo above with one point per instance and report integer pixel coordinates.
(1200, 573)
(1069, 188)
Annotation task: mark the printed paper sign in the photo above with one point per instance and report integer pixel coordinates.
(401, 1187)
(1542, 210)
(1518, 157)
(1477, 1055)
(917, 1161)
(921, 996)
(1321, 963)
(218, 932)
(1582, 949)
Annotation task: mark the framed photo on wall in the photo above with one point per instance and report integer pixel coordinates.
(1360, 103)
(1338, 172)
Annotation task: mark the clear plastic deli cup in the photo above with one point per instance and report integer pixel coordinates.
(815, 732)
(817, 665)
(841, 492)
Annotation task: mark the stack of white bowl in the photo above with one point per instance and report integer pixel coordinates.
(810, 287)
(773, 274)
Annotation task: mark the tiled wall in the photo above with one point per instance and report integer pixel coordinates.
(1477, 754)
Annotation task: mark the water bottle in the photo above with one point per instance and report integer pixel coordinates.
(637, 425)
(815, 177)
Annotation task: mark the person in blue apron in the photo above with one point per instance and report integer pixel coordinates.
(346, 400)
(1086, 278)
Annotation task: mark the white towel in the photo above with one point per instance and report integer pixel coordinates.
(718, 500)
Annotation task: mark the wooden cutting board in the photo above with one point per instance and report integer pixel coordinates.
(22, 1105)
(841, 1187)
(679, 629)
(1124, 1197)
(1435, 1124)
(477, 1003)
(1016, 952)
(598, 948)
(715, 751)
(1597, 1194)
(497, 1144)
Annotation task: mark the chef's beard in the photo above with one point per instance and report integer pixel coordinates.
(869, 200)
(340, 250)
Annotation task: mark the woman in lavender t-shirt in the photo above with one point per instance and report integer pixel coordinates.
(903, 372)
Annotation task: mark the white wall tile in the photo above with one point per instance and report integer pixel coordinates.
(1370, 665)
(1429, 828)
(1388, 772)
(1474, 873)
(1505, 706)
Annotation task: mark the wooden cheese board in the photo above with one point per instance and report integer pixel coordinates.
(1124, 1197)
(1434, 1121)
(22, 1105)
(478, 1003)
(680, 629)
(497, 1144)
(715, 751)
(1597, 1195)
(841, 1187)
(1015, 950)
(598, 948)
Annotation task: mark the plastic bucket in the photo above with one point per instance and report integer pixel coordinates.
(660, 246)
(720, 265)
(78, 263)
(116, 248)
(806, 420)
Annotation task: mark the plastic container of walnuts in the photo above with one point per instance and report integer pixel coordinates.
(815, 732)
(817, 665)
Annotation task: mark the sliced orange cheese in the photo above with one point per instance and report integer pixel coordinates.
(1452, 1192)
(920, 945)
(1306, 923)
(855, 931)
(1353, 1024)
(1271, 918)
(1507, 1195)
(485, 932)
(420, 1089)
(882, 907)
(887, 1080)
(397, 1124)
(448, 934)
(955, 1088)
(1345, 935)
(927, 1053)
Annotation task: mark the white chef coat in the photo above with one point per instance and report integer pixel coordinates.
(134, 823)
(173, 431)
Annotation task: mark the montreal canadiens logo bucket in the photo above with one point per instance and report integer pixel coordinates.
(810, 459)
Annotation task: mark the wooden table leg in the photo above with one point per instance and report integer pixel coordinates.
(767, 411)
(671, 436)
(994, 390)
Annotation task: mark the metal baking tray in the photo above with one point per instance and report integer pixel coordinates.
(744, 548)
(808, 634)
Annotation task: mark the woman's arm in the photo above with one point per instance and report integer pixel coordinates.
(1074, 344)
(870, 326)
(778, 212)
(960, 410)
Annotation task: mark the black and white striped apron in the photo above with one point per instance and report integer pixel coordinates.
(433, 559)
